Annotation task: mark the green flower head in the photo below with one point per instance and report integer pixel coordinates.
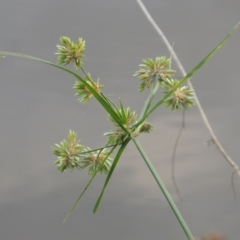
(116, 136)
(71, 52)
(97, 161)
(151, 70)
(84, 92)
(146, 127)
(68, 152)
(181, 98)
(126, 116)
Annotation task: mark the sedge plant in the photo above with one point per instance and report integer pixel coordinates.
(154, 75)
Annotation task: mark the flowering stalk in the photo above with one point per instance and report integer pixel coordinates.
(153, 74)
(73, 155)
(164, 190)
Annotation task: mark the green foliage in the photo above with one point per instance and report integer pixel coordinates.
(70, 154)
(152, 74)
(159, 70)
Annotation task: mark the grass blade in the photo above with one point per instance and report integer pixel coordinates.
(123, 115)
(190, 74)
(148, 102)
(80, 196)
(164, 190)
(98, 96)
(118, 155)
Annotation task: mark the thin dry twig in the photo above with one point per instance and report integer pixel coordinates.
(182, 70)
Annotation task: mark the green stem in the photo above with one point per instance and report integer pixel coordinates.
(85, 73)
(190, 74)
(101, 148)
(148, 102)
(164, 191)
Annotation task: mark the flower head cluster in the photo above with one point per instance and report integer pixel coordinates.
(71, 52)
(83, 91)
(159, 70)
(127, 118)
(151, 70)
(97, 161)
(146, 128)
(70, 155)
(115, 136)
(68, 152)
(181, 97)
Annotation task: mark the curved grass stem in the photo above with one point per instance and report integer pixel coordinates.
(164, 190)
(182, 70)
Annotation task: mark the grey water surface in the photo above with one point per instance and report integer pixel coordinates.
(38, 107)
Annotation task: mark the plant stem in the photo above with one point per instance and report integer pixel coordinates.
(148, 102)
(181, 68)
(164, 191)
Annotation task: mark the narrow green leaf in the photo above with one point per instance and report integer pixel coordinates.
(150, 98)
(98, 96)
(118, 155)
(123, 115)
(163, 189)
(109, 101)
(190, 74)
(80, 196)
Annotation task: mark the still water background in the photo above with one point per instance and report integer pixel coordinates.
(38, 107)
